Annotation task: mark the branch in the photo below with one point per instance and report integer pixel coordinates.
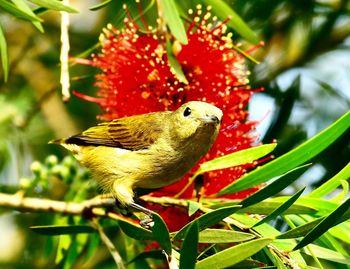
(19, 202)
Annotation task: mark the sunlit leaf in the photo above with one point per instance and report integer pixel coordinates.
(54, 5)
(237, 158)
(331, 184)
(101, 5)
(4, 56)
(293, 158)
(224, 11)
(223, 236)
(275, 187)
(173, 20)
(15, 11)
(327, 223)
(233, 255)
(21, 4)
(327, 254)
(281, 208)
(208, 219)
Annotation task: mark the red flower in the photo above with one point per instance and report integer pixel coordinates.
(136, 78)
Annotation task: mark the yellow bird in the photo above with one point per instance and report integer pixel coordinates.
(146, 151)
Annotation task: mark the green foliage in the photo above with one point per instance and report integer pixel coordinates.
(281, 226)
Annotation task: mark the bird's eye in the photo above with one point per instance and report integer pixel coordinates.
(187, 112)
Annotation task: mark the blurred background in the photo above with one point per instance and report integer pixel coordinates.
(304, 70)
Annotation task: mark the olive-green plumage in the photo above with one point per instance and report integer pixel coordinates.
(146, 151)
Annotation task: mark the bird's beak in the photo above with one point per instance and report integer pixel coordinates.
(210, 119)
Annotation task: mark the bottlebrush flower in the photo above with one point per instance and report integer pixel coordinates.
(136, 78)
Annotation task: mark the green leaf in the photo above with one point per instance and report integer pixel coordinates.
(281, 208)
(208, 220)
(174, 64)
(161, 233)
(193, 207)
(233, 255)
(327, 254)
(22, 5)
(224, 11)
(135, 231)
(327, 223)
(331, 184)
(293, 158)
(237, 158)
(188, 253)
(59, 230)
(223, 236)
(173, 20)
(153, 254)
(54, 5)
(15, 11)
(343, 194)
(4, 56)
(101, 5)
(275, 187)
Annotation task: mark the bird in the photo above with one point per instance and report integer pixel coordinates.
(147, 151)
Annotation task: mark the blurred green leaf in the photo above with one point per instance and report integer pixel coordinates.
(208, 219)
(224, 11)
(237, 158)
(233, 255)
(328, 254)
(22, 5)
(161, 233)
(15, 11)
(188, 253)
(275, 187)
(135, 231)
(327, 223)
(59, 230)
(101, 5)
(154, 254)
(223, 236)
(281, 208)
(174, 64)
(293, 158)
(4, 56)
(173, 20)
(331, 184)
(54, 5)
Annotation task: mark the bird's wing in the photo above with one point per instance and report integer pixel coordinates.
(132, 133)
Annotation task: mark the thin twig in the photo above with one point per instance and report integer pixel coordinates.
(114, 252)
(64, 58)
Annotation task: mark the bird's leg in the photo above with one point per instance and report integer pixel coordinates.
(148, 222)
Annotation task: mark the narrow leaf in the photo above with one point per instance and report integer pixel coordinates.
(208, 219)
(188, 253)
(60, 230)
(275, 187)
(331, 184)
(174, 64)
(54, 5)
(293, 158)
(233, 255)
(281, 208)
(4, 56)
(237, 158)
(327, 223)
(173, 20)
(22, 5)
(15, 11)
(193, 207)
(161, 233)
(135, 231)
(328, 254)
(223, 236)
(224, 11)
(101, 5)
